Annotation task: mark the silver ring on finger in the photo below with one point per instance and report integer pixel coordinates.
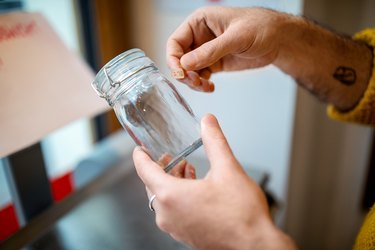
(150, 203)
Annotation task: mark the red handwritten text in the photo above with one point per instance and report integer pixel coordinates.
(17, 30)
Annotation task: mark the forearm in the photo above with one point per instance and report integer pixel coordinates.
(334, 68)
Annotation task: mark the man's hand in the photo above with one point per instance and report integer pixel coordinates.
(217, 39)
(333, 67)
(225, 210)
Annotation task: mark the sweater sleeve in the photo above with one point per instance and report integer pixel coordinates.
(364, 112)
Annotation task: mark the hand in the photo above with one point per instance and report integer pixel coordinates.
(217, 39)
(225, 210)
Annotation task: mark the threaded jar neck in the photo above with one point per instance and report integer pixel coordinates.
(118, 74)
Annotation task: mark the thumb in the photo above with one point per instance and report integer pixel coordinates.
(208, 53)
(215, 143)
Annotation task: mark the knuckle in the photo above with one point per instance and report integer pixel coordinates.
(202, 13)
(162, 223)
(164, 198)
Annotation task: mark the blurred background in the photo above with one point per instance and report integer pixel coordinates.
(318, 173)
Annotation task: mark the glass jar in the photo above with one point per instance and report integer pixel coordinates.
(149, 107)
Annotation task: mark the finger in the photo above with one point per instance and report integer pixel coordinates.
(155, 205)
(174, 53)
(206, 85)
(208, 53)
(179, 170)
(177, 45)
(194, 81)
(148, 192)
(205, 73)
(164, 160)
(190, 172)
(152, 175)
(216, 146)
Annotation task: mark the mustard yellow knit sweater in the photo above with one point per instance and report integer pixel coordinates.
(363, 113)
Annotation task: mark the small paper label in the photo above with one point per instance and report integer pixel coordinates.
(178, 74)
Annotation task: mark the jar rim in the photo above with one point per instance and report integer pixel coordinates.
(115, 73)
(122, 56)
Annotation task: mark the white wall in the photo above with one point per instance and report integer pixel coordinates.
(255, 108)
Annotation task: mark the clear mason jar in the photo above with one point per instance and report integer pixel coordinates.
(149, 107)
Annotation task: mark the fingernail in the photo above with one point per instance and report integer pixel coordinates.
(178, 74)
(209, 120)
(192, 173)
(195, 79)
(211, 86)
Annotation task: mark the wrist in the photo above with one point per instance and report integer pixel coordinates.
(264, 236)
(291, 43)
(314, 56)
